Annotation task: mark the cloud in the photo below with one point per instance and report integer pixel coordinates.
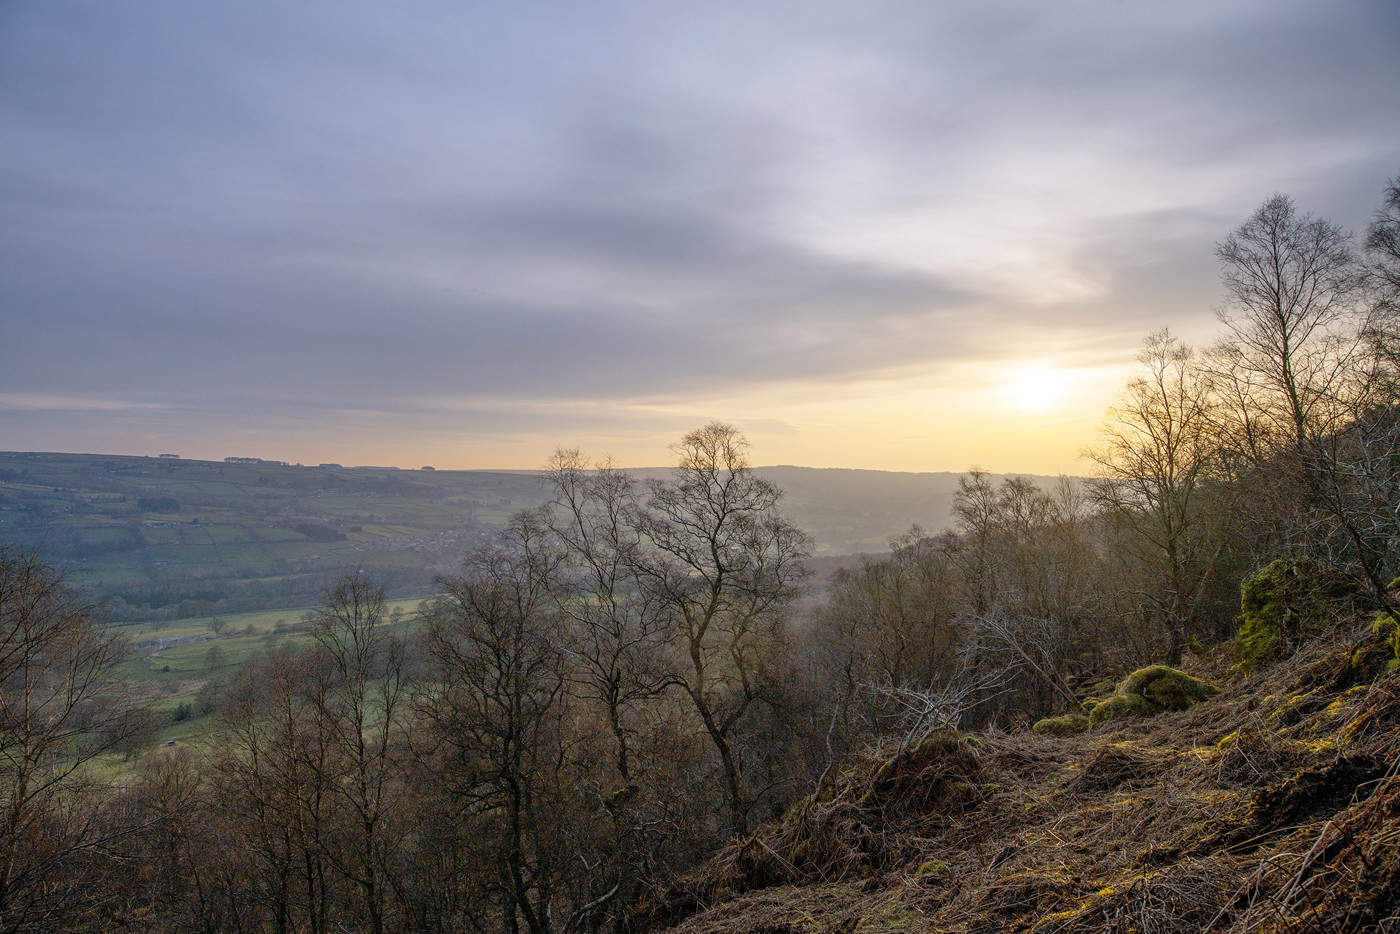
(346, 208)
(22, 402)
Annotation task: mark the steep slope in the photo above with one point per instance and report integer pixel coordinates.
(1273, 806)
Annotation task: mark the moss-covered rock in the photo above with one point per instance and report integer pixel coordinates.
(1280, 604)
(1150, 691)
(1123, 705)
(1062, 726)
(1167, 687)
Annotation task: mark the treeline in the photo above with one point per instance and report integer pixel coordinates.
(626, 678)
(185, 596)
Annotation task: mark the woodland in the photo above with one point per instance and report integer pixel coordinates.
(1165, 698)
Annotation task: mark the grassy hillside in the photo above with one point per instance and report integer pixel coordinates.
(170, 538)
(1273, 806)
(171, 667)
(167, 538)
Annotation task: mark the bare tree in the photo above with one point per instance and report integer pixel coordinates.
(1157, 446)
(617, 627)
(1382, 247)
(614, 638)
(1026, 554)
(977, 509)
(1320, 366)
(725, 565)
(495, 706)
(55, 662)
(890, 623)
(1291, 286)
(273, 774)
(357, 688)
(925, 711)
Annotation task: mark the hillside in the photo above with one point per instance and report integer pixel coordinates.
(1274, 806)
(174, 538)
(179, 538)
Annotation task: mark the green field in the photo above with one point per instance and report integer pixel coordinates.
(167, 538)
(170, 664)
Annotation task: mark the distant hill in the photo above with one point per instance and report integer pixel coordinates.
(165, 536)
(858, 511)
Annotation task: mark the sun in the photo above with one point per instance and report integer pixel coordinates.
(1036, 388)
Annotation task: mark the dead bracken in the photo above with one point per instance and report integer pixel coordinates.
(1247, 808)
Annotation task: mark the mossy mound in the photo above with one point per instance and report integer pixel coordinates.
(1388, 628)
(1150, 691)
(938, 771)
(844, 831)
(1167, 687)
(1123, 705)
(1280, 604)
(1062, 726)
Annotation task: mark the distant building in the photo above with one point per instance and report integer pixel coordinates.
(254, 460)
(171, 456)
(331, 466)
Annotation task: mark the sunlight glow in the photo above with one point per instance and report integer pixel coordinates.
(1037, 389)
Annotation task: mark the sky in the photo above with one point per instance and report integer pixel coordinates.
(892, 235)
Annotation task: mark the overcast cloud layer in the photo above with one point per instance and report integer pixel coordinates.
(464, 233)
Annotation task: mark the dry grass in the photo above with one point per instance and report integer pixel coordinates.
(1273, 807)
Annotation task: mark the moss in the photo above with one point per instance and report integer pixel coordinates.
(1295, 709)
(936, 744)
(948, 752)
(1280, 605)
(1317, 747)
(1166, 687)
(1148, 692)
(1062, 726)
(933, 867)
(1388, 628)
(1123, 705)
(1096, 691)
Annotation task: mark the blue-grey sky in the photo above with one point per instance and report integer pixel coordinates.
(903, 235)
